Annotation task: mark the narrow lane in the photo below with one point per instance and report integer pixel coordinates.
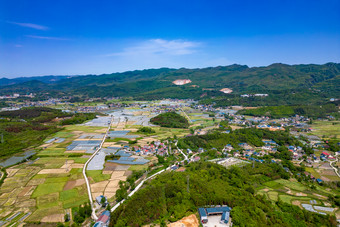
(94, 216)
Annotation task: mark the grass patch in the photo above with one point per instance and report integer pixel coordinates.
(137, 167)
(326, 128)
(80, 160)
(49, 200)
(88, 129)
(40, 213)
(332, 177)
(313, 172)
(97, 175)
(286, 198)
(68, 194)
(56, 180)
(292, 185)
(44, 189)
(272, 184)
(117, 139)
(273, 195)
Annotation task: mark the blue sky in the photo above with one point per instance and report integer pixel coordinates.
(69, 37)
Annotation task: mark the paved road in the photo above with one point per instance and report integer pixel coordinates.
(335, 169)
(142, 182)
(94, 216)
(138, 187)
(180, 150)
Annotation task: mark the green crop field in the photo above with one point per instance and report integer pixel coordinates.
(49, 200)
(88, 129)
(326, 128)
(137, 167)
(38, 214)
(97, 175)
(273, 195)
(292, 185)
(313, 172)
(48, 188)
(68, 194)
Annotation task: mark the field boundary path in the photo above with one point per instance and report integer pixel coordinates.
(186, 115)
(94, 216)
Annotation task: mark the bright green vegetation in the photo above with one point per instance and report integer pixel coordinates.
(170, 120)
(48, 188)
(313, 111)
(28, 127)
(252, 136)
(74, 197)
(138, 167)
(97, 175)
(166, 198)
(146, 130)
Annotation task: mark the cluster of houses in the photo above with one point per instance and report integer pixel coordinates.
(91, 109)
(16, 95)
(156, 148)
(253, 95)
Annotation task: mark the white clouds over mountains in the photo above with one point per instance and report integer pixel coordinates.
(159, 47)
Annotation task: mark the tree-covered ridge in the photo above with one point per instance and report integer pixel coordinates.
(167, 198)
(28, 127)
(252, 136)
(312, 111)
(170, 120)
(276, 79)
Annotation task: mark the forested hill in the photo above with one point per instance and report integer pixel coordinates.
(205, 82)
(168, 198)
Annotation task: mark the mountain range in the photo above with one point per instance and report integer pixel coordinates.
(157, 83)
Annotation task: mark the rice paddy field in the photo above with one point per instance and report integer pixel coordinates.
(329, 129)
(45, 189)
(296, 193)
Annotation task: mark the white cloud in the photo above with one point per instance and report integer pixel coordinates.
(18, 45)
(159, 47)
(30, 25)
(46, 37)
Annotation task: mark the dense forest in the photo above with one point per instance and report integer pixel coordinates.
(28, 127)
(252, 136)
(167, 198)
(312, 111)
(284, 84)
(170, 120)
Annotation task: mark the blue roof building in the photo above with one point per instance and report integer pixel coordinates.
(223, 210)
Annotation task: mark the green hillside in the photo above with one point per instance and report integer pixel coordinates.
(288, 84)
(170, 120)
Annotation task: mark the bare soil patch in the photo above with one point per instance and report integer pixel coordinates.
(25, 190)
(53, 218)
(74, 183)
(11, 172)
(99, 187)
(190, 221)
(53, 171)
(296, 202)
(320, 196)
(300, 194)
(117, 174)
(36, 181)
(26, 203)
